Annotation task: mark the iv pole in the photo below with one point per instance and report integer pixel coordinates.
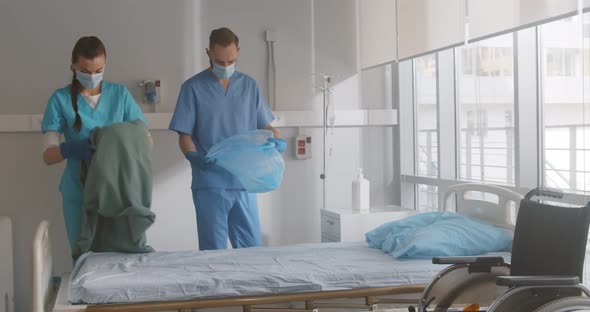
(325, 91)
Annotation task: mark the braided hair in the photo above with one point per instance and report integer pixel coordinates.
(87, 47)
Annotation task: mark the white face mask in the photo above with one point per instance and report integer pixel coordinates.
(89, 81)
(223, 72)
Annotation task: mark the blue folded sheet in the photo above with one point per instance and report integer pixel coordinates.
(433, 234)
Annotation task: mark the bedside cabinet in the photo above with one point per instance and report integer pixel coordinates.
(348, 226)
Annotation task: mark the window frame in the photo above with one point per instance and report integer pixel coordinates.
(529, 126)
(416, 118)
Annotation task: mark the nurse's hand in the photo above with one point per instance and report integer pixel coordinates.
(199, 161)
(280, 144)
(77, 149)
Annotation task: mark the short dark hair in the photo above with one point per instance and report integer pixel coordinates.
(223, 37)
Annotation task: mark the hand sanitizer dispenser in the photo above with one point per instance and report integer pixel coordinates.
(360, 193)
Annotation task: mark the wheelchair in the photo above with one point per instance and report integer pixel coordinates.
(543, 275)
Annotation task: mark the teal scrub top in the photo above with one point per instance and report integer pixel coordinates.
(114, 105)
(209, 113)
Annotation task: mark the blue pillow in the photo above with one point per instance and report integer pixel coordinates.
(387, 235)
(433, 234)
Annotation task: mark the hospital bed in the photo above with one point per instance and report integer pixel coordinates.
(307, 277)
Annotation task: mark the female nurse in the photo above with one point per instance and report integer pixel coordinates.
(74, 110)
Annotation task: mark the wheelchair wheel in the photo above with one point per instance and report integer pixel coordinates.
(566, 304)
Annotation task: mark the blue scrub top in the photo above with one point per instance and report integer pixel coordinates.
(210, 114)
(114, 105)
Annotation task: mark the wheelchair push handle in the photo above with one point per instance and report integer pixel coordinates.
(544, 192)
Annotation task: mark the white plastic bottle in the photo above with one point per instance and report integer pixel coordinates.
(360, 193)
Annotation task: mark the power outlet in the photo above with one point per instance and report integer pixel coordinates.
(303, 147)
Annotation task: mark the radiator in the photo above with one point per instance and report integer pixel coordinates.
(6, 266)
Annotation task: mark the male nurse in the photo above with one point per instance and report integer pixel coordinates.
(217, 103)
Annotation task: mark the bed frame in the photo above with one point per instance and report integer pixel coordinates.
(48, 296)
(484, 208)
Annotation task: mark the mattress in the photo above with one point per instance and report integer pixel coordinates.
(100, 278)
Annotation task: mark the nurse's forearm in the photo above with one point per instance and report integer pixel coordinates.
(274, 130)
(52, 155)
(186, 143)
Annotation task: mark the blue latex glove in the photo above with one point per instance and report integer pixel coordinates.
(280, 144)
(199, 161)
(77, 149)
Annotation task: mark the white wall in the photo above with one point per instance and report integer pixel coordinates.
(335, 38)
(166, 40)
(489, 17)
(427, 25)
(291, 22)
(144, 39)
(377, 32)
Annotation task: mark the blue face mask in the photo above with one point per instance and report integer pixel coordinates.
(223, 72)
(87, 80)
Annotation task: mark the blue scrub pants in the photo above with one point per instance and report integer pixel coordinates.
(72, 202)
(222, 213)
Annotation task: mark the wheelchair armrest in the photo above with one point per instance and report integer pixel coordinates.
(487, 260)
(517, 281)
